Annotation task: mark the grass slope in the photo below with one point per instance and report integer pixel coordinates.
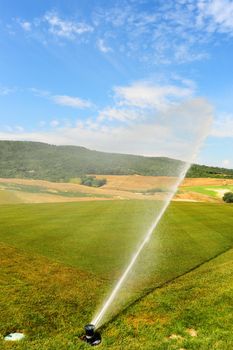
(199, 301)
(51, 302)
(99, 236)
(46, 300)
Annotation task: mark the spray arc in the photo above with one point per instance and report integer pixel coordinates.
(190, 135)
(97, 320)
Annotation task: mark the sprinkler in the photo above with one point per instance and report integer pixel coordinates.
(91, 337)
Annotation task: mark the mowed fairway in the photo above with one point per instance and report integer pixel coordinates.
(57, 261)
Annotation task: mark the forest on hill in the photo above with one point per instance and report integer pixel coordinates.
(35, 160)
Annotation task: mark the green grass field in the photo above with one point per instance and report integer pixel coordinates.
(211, 190)
(58, 260)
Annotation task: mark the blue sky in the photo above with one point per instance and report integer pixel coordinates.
(70, 70)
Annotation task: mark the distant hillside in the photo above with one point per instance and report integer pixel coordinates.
(209, 171)
(36, 160)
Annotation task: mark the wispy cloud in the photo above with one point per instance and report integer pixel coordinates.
(75, 102)
(158, 32)
(26, 25)
(40, 92)
(102, 46)
(52, 25)
(163, 33)
(122, 115)
(146, 94)
(63, 100)
(216, 15)
(4, 91)
(65, 28)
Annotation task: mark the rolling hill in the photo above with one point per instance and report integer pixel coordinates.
(35, 160)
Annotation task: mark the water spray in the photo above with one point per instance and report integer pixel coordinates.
(99, 318)
(96, 321)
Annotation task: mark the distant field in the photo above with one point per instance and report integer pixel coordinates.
(40, 191)
(117, 187)
(212, 191)
(58, 260)
(32, 192)
(9, 197)
(206, 189)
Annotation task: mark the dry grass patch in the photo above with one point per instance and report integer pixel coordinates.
(43, 298)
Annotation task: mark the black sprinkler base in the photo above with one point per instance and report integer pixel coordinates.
(91, 337)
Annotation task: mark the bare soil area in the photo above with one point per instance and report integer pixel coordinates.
(194, 197)
(206, 182)
(136, 182)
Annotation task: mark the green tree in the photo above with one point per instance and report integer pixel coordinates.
(228, 197)
(92, 181)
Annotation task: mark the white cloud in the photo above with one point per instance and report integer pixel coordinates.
(176, 132)
(141, 100)
(4, 91)
(122, 115)
(168, 31)
(40, 92)
(218, 13)
(66, 28)
(182, 54)
(165, 33)
(63, 100)
(223, 126)
(75, 102)
(27, 26)
(102, 46)
(145, 94)
(226, 162)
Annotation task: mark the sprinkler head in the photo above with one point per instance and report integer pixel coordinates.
(91, 337)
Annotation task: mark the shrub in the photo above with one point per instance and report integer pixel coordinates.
(228, 197)
(92, 181)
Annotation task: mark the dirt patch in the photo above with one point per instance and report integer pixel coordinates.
(142, 320)
(176, 337)
(136, 182)
(192, 332)
(206, 182)
(195, 197)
